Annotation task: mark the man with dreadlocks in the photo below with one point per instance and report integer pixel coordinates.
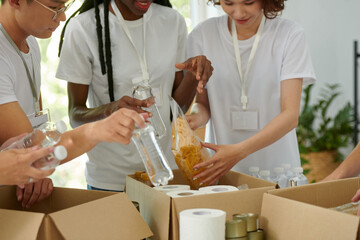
(143, 42)
(20, 22)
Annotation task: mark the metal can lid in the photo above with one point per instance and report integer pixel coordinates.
(236, 228)
(251, 220)
(257, 235)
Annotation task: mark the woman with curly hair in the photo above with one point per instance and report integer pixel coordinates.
(261, 62)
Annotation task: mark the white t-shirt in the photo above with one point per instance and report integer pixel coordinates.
(282, 54)
(14, 83)
(165, 40)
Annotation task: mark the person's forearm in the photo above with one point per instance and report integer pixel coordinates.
(184, 93)
(78, 141)
(273, 131)
(80, 115)
(350, 167)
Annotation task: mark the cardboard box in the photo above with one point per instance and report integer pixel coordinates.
(71, 214)
(161, 212)
(302, 212)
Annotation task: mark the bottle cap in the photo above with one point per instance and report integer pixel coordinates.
(253, 169)
(61, 126)
(286, 166)
(60, 152)
(264, 173)
(278, 170)
(298, 170)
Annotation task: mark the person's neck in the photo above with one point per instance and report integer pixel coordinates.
(244, 33)
(126, 12)
(16, 33)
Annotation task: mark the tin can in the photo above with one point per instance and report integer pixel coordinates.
(236, 229)
(251, 220)
(137, 205)
(240, 238)
(258, 235)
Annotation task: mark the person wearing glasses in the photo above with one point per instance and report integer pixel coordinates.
(20, 22)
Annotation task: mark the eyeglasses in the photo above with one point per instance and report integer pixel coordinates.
(61, 10)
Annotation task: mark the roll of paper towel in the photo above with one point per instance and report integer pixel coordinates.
(183, 193)
(169, 188)
(202, 224)
(218, 189)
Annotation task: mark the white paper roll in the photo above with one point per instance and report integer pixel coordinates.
(218, 189)
(202, 224)
(183, 193)
(169, 188)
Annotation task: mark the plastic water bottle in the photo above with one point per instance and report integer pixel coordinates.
(254, 171)
(299, 178)
(143, 92)
(156, 164)
(288, 173)
(280, 177)
(46, 135)
(265, 174)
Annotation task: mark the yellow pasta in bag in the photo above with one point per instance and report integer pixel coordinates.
(186, 147)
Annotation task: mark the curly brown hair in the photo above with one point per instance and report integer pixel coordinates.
(272, 8)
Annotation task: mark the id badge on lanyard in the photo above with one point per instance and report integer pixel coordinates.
(244, 118)
(36, 119)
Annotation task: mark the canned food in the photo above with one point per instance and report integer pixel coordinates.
(235, 228)
(258, 235)
(240, 238)
(251, 220)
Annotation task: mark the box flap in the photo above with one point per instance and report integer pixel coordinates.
(106, 218)
(284, 219)
(154, 206)
(17, 225)
(48, 230)
(245, 201)
(326, 194)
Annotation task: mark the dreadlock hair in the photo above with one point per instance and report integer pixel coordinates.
(87, 5)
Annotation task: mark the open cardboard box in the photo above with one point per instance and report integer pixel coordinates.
(71, 214)
(161, 212)
(302, 212)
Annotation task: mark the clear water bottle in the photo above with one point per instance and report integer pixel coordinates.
(280, 178)
(288, 173)
(254, 171)
(143, 92)
(265, 174)
(299, 178)
(46, 135)
(156, 164)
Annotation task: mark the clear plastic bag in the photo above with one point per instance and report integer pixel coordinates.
(186, 146)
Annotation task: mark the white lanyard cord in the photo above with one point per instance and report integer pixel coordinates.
(142, 60)
(244, 98)
(31, 79)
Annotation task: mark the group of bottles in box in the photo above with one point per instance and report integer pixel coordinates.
(284, 176)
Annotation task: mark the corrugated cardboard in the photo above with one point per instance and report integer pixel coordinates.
(161, 212)
(71, 214)
(302, 212)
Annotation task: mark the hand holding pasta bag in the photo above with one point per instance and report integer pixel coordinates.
(186, 146)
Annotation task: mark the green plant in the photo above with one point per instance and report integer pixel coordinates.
(331, 133)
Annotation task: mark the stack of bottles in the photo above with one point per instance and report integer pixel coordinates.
(282, 176)
(244, 227)
(46, 135)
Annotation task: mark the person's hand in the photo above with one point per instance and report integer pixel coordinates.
(32, 193)
(196, 120)
(11, 141)
(356, 198)
(130, 103)
(118, 127)
(200, 67)
(15, 165)
(224, 159)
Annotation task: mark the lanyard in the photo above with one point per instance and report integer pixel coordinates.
(31, 79)
(142, 60)
(244, 98)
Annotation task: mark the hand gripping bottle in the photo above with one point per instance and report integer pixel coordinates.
(156, 164)
(143, 92)
(46, 135)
